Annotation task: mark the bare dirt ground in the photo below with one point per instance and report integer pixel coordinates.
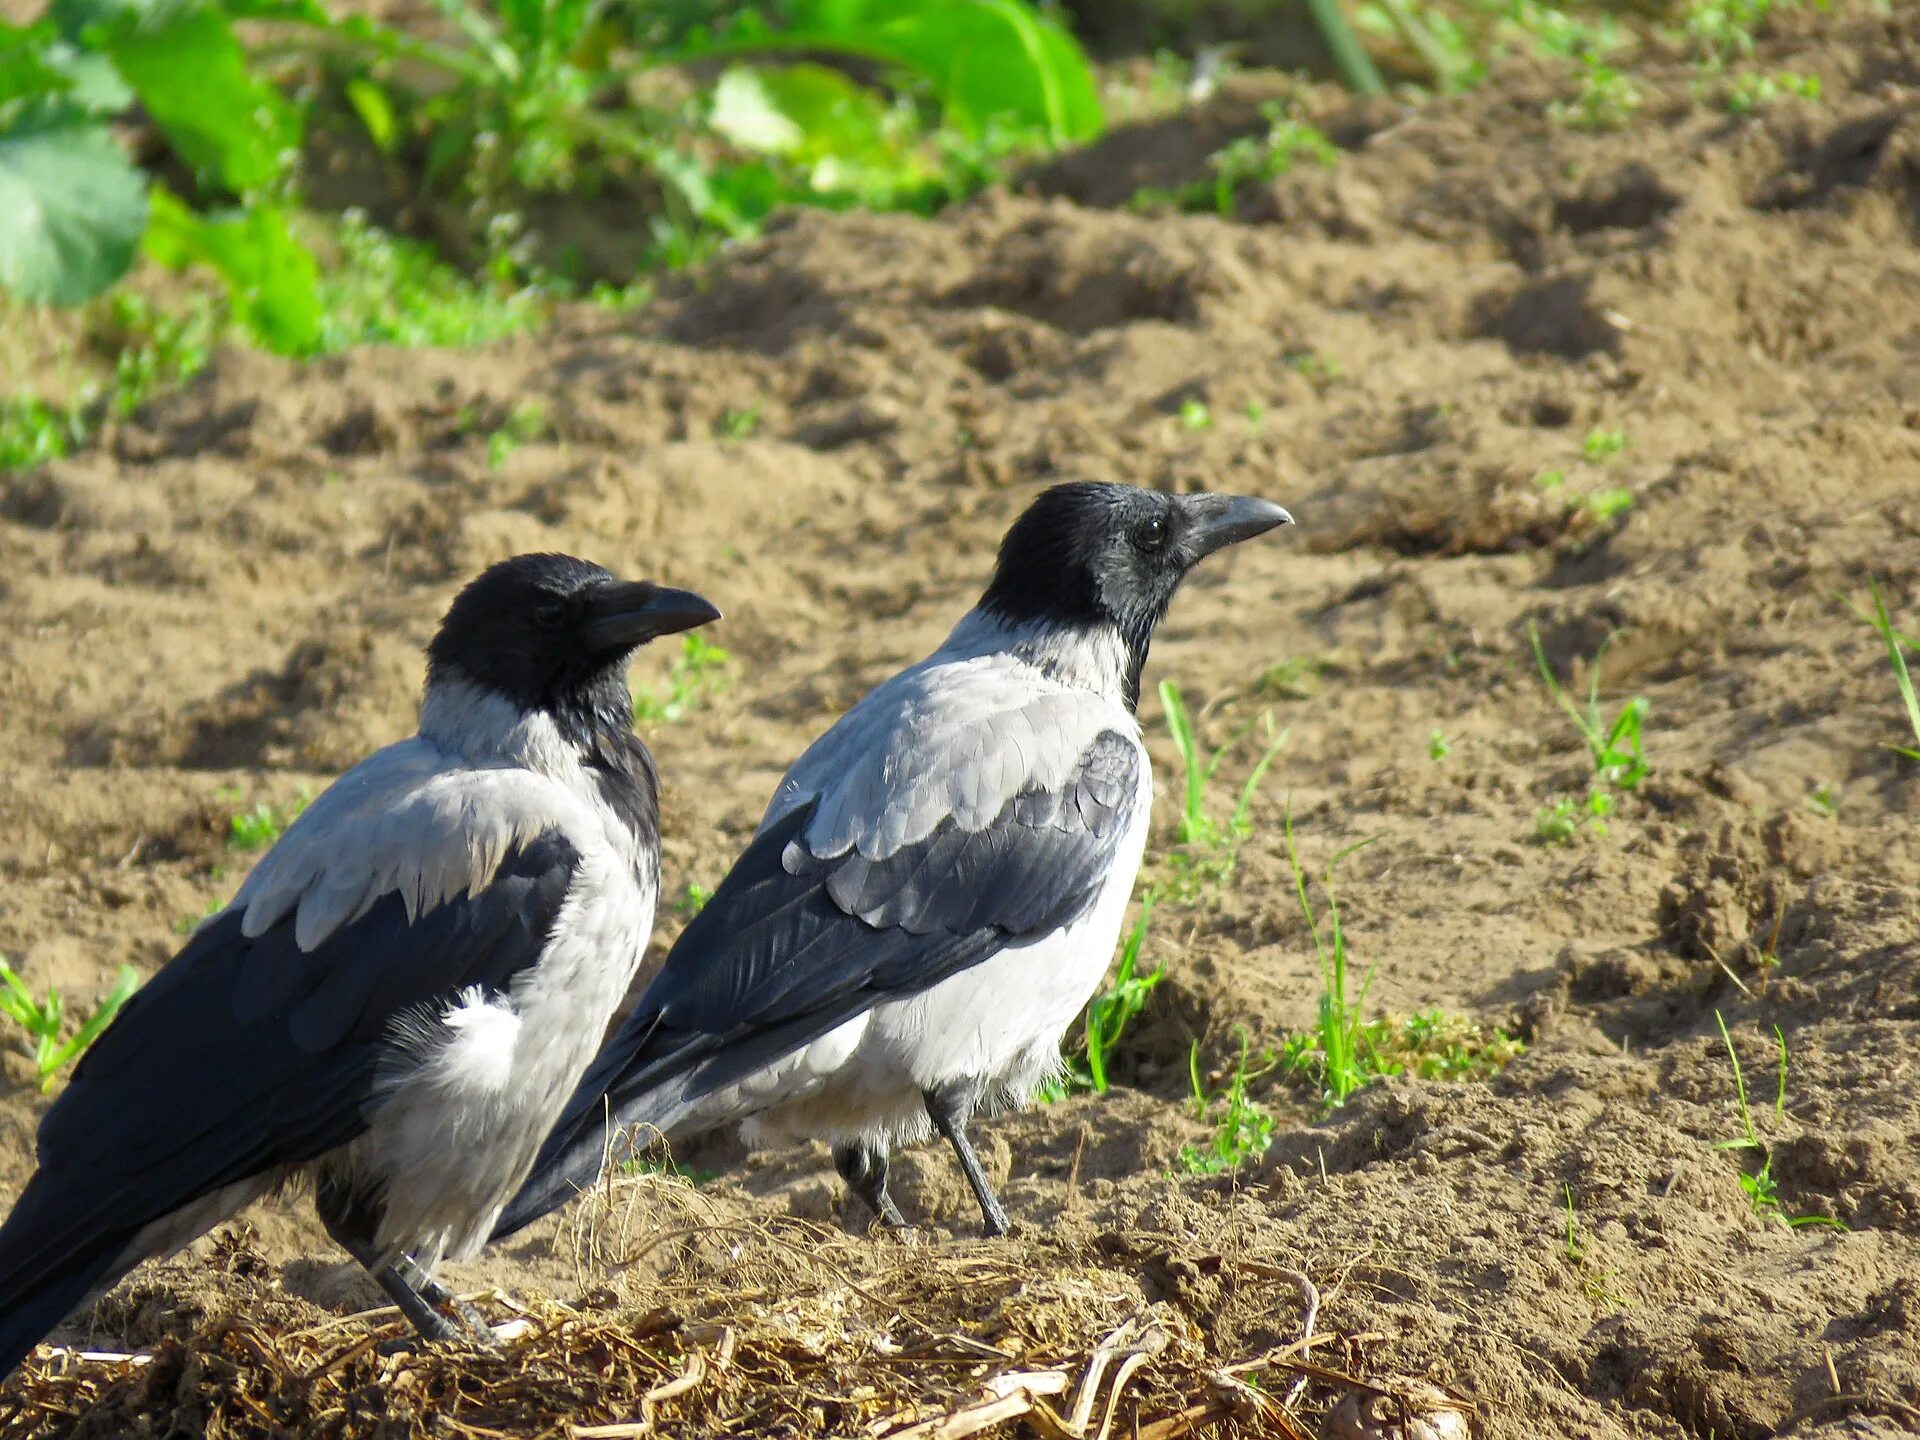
(225, 603)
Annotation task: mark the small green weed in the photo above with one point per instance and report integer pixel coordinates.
(1721, 31)
(1604, 505)
(1337, 1037)
(1762, 1189)
(1318, 370)
(1824, 800)
(1242, 1129)
(261, 826)
(1194, 415)
(1439, 747)
(1255, 412)
(1615, 747)
(1208, 848)
(1248, 160)
(1603, 444)
(525, 423)
(1606, 100)
(1883, 625)
(698, 672)
(1748, 90)
(41, 1019)
(1598, 1283)
(693, 899)
(1431, 1044)
(1109, 1013)
(1560, 822)
(738, 424)
(652, 1164)
(385, 290)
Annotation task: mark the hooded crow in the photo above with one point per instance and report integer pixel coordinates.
(939, 883)
(401, 997)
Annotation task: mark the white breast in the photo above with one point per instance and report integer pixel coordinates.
(999, 1022)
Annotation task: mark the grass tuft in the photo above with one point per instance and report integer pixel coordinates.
(1763, 1191)
(698, 673)
(42, 1019)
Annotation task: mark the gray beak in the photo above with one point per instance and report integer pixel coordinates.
(1223, 520)
(628, 615)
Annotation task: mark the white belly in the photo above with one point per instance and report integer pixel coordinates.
(999, 1022)
(462, 1122)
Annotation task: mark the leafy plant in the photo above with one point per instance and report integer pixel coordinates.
(1606, 100)
(1614, 746)
(1603, 444)
(739, 423)
(1194, 415)
(1209, 847)
(1750, 89)
(1882, 623)
(1762, 1188)
(698, 671)
(42, 1018)
(1560, 822)
(1242, 1130)
(1439, 747)
(261, 826)
(693, 899)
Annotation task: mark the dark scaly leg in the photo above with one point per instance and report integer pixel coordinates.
(950, 1107)
(414, 1293)
(864, 1168)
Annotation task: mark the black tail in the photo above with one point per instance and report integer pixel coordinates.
(49, 1266)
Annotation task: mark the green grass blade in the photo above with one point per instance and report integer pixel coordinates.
(1883, 622)
(1355, 66)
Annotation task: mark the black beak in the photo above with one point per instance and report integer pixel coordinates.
(625, 616)
(1223, 520)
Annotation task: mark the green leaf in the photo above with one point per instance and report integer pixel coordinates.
(183, 61)
(270, 276)
(746, 113)
(71, 205)
(817, 118)
(987, 61)
(375, 110)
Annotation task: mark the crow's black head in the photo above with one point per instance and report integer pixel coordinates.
(552, 633)
(1087, 555)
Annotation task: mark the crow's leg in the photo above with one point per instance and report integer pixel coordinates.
(441, 1298)
(431, 1324)
(415, 1293)
(864, 1168)
(950, 1107)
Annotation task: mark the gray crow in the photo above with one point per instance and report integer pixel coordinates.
(938, 885)
(401, 997)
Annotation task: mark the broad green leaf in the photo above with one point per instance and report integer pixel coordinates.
(71, 205)
(183, 61)
(270, 276)
(746, 114)
(987, 61)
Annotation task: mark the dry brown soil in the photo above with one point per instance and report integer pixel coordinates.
(225, 603)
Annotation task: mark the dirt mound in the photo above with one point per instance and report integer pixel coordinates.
(1664, 383)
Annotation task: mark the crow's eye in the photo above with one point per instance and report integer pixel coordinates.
(549, 614)
(1150, 534)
